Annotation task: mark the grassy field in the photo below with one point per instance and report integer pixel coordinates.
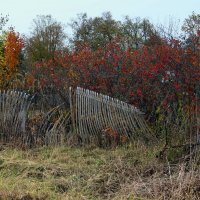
(129, 172)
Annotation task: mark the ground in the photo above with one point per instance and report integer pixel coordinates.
(128, 172)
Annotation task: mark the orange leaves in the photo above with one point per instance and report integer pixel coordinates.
(29, 80)
(10, 48)
(114, 137)
(13, 46)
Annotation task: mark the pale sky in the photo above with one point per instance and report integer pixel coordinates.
(22, 12)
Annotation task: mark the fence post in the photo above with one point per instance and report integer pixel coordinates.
(72, 110)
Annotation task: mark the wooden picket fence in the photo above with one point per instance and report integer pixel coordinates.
(13, 114)
(37, 128)
(95, 115)
(95, 118)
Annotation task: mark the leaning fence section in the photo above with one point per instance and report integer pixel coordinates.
(96, 115)
(95, 118)
(13, 115)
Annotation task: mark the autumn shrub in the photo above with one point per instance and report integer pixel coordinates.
(151, 76)
(10, 49)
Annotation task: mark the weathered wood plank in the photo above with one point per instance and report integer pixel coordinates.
(13, 114)
(96, 112)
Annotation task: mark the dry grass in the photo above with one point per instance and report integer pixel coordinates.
(181, 185)
(131, 172)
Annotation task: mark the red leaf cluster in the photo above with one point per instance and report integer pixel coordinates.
(145, 76)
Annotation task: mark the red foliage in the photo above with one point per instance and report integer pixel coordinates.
(145, 77)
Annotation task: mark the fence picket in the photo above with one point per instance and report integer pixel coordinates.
(13, 114)
(95, 112)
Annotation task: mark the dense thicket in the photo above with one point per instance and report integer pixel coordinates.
(132, 60)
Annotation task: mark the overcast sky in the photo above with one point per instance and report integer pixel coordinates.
(22, 12)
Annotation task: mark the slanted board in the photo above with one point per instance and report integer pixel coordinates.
(94, 113)
(13, 113)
